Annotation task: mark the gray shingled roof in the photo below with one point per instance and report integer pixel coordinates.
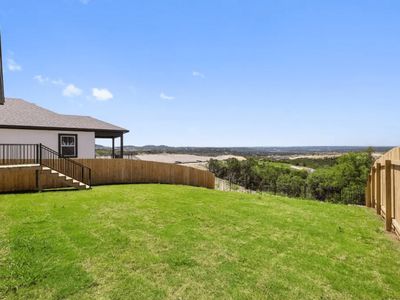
(1, 77)
(18, 113)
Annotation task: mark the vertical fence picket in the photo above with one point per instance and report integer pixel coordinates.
(378, 188)
(388, 195)
(368, 192)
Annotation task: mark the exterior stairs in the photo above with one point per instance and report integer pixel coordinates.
(44, 160)
(66, 179)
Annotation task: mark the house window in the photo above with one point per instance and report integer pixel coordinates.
(68, 145)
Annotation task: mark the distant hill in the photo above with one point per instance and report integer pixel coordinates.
(243, 150)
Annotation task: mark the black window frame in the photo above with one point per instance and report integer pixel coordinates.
(60, 135)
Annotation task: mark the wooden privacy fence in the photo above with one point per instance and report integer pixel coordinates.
(383, 189)
(113, 171)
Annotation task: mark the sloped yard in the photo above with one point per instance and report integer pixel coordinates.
(161, 241)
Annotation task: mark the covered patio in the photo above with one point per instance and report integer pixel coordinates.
(113, 135)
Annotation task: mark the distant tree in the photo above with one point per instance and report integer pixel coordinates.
(291, 185)
(342, 182)
(345, 182)
(233, 170)
(269, 176)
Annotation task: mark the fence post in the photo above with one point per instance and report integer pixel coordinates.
(368, 192)
(388, 194)
(378, 188)
(38, 181)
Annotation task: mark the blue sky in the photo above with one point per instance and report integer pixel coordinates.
(213, 72)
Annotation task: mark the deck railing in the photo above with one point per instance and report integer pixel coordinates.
(23, 154)
(18, 154)
(52, 159)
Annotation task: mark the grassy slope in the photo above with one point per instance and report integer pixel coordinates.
(160, 241)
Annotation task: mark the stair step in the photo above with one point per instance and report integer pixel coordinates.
(69, 180)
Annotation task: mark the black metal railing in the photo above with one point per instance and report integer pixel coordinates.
(18, 154)
(52, 159)
(21, 154)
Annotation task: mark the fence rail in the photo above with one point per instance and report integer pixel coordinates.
(383, 189)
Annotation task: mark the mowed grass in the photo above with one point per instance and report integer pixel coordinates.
(174, 242)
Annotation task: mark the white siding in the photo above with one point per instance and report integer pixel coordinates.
(49, 138)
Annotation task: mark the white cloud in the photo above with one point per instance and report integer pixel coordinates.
(198, 74)
(42, 79)
(71, 91)
(13, 66)
(59, 82)
(102, 94)
(165, 97)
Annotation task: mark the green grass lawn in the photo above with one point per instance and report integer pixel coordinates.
(161, 241)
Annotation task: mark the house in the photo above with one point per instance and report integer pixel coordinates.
(22, 122)
(42, 149)
(43, 141)
(38, 140)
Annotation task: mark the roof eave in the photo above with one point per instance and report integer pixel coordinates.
(122, 130)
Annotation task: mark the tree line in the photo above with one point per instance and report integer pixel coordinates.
(309, 162)
(342, 182)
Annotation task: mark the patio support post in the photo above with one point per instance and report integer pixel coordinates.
(122, 145)
(113, 148)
